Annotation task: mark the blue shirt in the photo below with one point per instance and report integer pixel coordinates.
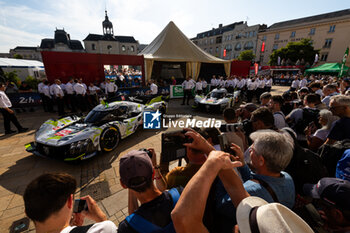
(340, 129)
(283, 186)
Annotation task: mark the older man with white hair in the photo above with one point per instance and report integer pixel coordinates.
(270, 154)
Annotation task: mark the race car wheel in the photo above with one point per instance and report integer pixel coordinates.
(109, 139)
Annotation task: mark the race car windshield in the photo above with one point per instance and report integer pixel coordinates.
(95, 116)
(217, 95)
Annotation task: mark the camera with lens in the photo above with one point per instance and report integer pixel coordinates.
(149, 153)
(172, 145)
(246, 126)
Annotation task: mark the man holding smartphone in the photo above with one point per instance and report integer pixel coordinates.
(49, 202)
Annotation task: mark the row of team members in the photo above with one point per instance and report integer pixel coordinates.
(74, 94)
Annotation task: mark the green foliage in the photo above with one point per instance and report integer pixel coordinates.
(32, 82)
(294, 51)
(18, 56)
(12, 77)
(247, 55)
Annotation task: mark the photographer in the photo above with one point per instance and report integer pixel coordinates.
(49, 202)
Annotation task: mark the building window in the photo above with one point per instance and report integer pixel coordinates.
(238, 47)
(218, 40)
(292, 34)
(211, 40)
(206, 41)
(332, 28)
(312, 31)
(217, 49)
(123, 48)
(324, 57)
(264, 38)
(248, 45)
(251, 34)
(275, 47)
(327, 43)
(211, 50)
(132, 49)
(261, 58)
(254, 33)
(277, 36)
(109, 47)
(93, 46)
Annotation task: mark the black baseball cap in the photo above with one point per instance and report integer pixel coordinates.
(332, 190)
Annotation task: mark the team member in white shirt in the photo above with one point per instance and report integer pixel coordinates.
(251, 86)
(199, 87)
(295, 84)
(8, 114)
(213, 83)
(187, 86)
(93, 94)
(71, 101)
(59, 95)
(80, 93)
(47, 97)
(303, 82)
(42, 96)
(111, 89)
(154, 88)
(268, 84)
(204, 86)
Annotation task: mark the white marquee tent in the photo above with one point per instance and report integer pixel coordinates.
(171, 45)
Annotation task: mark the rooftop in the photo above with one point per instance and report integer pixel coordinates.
(310, 19)
(122, 39)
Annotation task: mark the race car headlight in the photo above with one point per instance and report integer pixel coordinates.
(79, 147)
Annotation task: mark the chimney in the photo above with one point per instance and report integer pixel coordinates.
(220, 25)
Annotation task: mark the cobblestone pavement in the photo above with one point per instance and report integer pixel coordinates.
(98, 177)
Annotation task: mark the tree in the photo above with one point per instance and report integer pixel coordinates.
(12, 77)
(18, 56)
(247, 55)
(294, 51)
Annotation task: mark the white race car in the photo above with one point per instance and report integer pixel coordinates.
(75, 138)
(217, 99)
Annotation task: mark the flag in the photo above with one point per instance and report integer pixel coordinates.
(316, 58)
(256, 68)
(224, 52)
(343, 62)
(278, 61)
(263, 46)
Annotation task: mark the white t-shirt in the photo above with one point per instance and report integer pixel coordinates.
(100, 227)
(321, 134)
(154, 89)
(198, 86)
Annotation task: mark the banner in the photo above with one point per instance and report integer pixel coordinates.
(22, 100)
(343, 62)
(256, 68)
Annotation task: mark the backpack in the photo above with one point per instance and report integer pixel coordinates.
(142, 225)
(309, 115)
(330, 154)
(305, 166)
(81, 229)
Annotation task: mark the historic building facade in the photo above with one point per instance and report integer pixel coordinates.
(227, 42)
(329, 34)
(26, 52)
(61, 43)
(108, 43)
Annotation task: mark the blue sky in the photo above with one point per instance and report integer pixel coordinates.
(26, 22)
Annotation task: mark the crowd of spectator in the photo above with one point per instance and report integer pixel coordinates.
(286, 170)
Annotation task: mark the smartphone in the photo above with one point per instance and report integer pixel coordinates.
(79, 205)
(225, 145)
